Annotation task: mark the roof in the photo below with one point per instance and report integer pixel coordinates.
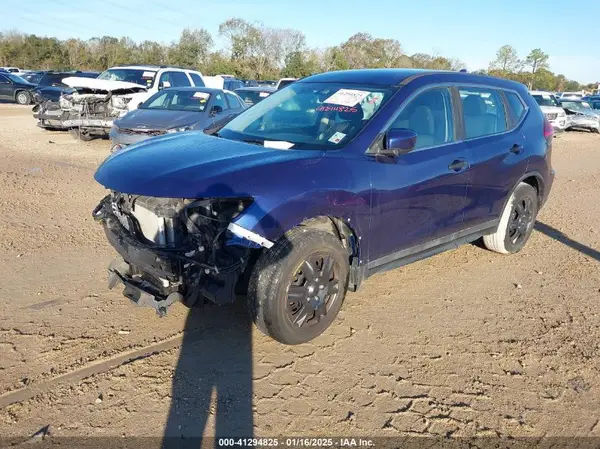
(257, 89)
(151, 67)
(210, 90)
(383, 77)
(393, 77)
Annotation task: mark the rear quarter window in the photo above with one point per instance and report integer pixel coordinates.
(197, 80)
(515, 106)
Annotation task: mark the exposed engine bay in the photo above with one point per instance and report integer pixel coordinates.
(95, 109)
(175, 249)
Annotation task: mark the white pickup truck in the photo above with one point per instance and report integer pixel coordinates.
(90, 109)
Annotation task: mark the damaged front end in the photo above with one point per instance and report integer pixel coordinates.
(93, 110)
(174, 249)
(48, 113)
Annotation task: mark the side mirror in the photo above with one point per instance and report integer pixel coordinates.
(216, 109)
(398, 141)
(164, 85)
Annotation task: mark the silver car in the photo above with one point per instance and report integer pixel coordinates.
(580, 115)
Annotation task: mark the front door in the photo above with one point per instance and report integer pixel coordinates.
(6, 89)
(420, 196)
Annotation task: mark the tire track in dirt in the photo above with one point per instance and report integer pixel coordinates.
(91, 369)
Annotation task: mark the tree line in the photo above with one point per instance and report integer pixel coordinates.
(533, 71)
(255, 51)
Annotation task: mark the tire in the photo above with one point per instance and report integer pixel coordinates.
(81, 134)
(286, 266)
(520, 211)
(23, 97)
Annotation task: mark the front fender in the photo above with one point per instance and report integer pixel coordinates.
(273, 220)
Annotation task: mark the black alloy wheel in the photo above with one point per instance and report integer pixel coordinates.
(314, 290)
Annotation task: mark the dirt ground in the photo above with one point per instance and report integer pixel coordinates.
(467, 343)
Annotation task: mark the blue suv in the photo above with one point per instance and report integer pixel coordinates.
(337, 177)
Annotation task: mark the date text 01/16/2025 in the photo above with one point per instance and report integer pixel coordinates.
(295, 442)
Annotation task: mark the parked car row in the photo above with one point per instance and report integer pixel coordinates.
(91, 105)
(569, 112)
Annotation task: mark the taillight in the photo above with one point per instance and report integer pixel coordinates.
(548, 129)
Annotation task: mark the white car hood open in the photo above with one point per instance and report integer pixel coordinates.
(96, 84)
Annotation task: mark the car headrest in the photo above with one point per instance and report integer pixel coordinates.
(474, 105)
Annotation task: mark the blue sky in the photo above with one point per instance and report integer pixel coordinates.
(467, 29)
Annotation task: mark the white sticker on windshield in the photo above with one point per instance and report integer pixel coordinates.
(347, 97)
(278, 144)
(337, 137)
(263, 94)
(201, 95)
(148, 75)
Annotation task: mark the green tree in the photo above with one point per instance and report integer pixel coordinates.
(192, 49)
(537, 60)
(507, 60)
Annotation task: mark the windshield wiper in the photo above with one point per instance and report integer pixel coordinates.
(254, 141)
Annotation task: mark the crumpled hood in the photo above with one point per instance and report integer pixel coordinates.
(97, 84)
(159, 119)
(195, 165)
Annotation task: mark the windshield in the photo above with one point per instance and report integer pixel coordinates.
(545, 100)
(178, 100)
(14, 78)
(575, 105)
(137, 76)
(309, 115)
(252, 97)
(33, 77)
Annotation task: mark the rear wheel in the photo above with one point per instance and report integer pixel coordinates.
(516, 221)
(23, 97)
(81, 134)
(298, 286)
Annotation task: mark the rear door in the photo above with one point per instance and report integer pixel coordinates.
(492, 126)
(420, 196)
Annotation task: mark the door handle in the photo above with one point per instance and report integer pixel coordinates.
(458, 165)
(517, 149)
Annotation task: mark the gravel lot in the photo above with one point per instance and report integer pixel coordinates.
(467, 343)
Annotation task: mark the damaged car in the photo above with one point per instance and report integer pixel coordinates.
(580, 115)
(320, 185)
(91, 109)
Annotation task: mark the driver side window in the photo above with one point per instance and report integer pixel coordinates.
(429, 115)
(220, 101)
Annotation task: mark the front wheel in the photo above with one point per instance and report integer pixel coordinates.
(516, 221)
(298, 286)
(23, 97)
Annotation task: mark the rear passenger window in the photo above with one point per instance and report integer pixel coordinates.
(233, 101)
(197, 80)
(517, 109)
(429, 115)
(483, 112)
(176, 79)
